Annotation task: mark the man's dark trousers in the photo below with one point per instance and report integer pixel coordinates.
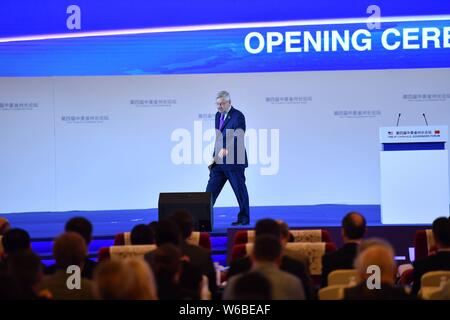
(217, 179)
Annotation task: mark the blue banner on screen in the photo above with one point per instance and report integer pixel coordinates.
(395, 45)
(30, 17)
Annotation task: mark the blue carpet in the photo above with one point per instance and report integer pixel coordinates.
(107, 223)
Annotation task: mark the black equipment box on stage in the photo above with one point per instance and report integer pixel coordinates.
(198, 204)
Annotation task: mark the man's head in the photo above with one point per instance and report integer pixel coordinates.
(353, 226)
(82, 226)
(223, 101)
(267, 249)
(267, 226)
(129, 279)
(441, 232)
(16, 240)
(4, 226)
(379, 256)
(141, 234)
(167, 231)
(69, 249)
(184, 221)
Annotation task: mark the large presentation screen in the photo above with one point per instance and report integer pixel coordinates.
(105, 105)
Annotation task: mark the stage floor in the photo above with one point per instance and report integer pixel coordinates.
(108, 223)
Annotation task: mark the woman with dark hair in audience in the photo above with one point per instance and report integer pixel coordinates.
(167, 265)
(168, 232)
(198, 256)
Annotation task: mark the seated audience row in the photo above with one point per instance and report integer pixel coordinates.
(177, 270)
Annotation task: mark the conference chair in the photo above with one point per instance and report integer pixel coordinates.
(313, 250)
(298, 235)
(432, 283)
(201, 239)
(335, 292)
(343, 277)
(124, 251)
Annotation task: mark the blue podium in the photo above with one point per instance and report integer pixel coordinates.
(414, 173)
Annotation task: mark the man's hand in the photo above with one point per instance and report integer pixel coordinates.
(222, 153)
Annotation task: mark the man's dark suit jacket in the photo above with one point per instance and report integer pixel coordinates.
(200, 258)
(340, 259)
(387, 292)
(232, 132)
(288, 264)
(435, 262)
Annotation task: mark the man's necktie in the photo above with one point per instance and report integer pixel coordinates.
(222, 120)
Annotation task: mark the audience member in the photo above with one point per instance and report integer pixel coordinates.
(380, 286)
(13, 241)
(353, 230)
(167, 231)
(83, 227)
(129, 279)
(287, 237)
(168, 267)
(438, 261)
(252, 285)
(141, 234)
(288, 264)
(22, 277)
(198, 256)
(266, 258)
(69, 250)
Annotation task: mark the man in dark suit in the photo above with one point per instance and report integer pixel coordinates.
(382, 288)
(198, 256)
(288, 264)
(229, 158)
(266, 256)
(438, 261)
(353, 230)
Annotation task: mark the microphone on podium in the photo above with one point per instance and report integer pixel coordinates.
(398, 118)
(423, 114)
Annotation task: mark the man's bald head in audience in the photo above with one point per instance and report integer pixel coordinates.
(353, 226)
